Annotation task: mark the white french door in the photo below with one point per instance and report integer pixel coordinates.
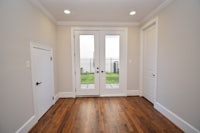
(100, 60)
(87, 63)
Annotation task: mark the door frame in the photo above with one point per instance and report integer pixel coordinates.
(39, 46)
(145, 26)
(73, 29)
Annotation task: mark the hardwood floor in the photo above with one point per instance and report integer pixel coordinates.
(104, 115)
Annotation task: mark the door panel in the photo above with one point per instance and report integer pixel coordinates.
(86, 48)
(149, 64)
(113, 62)
(43, 84)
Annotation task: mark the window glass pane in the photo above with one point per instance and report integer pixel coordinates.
(112, 45)
(87, 61)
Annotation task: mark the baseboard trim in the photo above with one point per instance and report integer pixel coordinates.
(56, 97)
(185, 126)
(27, 125)
(133, 93)
(65, 95)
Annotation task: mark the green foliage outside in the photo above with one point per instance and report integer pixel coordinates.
(111, 78)
(87, 78)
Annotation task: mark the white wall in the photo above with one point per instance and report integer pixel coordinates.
(20, 23)
(133, 58)
(178, 60)
(64, 59)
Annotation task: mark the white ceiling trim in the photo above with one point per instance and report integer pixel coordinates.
(43, 9)
(91, 23)
(156, 10)
(88, 23)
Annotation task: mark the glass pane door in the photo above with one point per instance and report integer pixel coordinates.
(100, 62)
(113, 63)
(87, 74)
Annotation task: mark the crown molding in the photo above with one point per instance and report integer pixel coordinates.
(43, 9)
(156, 10)
(92, 23)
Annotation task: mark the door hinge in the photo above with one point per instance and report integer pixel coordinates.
(52, 97)
(51, 58)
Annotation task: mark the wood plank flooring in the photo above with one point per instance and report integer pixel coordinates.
(104, 115)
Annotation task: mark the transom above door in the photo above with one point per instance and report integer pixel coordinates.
(100, 62)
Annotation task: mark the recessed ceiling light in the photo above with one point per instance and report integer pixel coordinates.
(132, 13)
(67, 11)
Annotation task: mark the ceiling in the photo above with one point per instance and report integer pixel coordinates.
(100, 10)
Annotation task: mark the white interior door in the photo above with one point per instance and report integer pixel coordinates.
(149, 62)
(100, 60)
(43, 84)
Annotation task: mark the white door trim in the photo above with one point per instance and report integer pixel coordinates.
(39, 46)
(73, 29)
(148, 24)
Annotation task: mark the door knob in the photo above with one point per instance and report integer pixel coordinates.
(37, 83)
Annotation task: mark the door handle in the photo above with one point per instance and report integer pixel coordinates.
(102, 71)
(37, 83)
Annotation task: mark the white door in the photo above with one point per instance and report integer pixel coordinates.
(149, 62)
(113, 63)
(42, 78)
(87, 62)
(100, 61)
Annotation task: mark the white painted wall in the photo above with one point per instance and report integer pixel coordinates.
(178, 60)
(133, 58)
(20, 23)
(64, 59)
